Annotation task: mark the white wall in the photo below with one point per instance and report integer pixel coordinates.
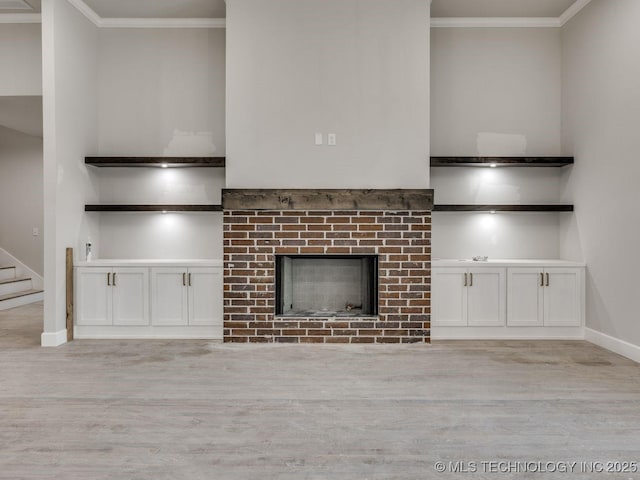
(22, 113)
(70, 78)
(357, 68)
(20, 59)
(602, 105)
(180, 236)
(162, 92)
(496, 92)
(154, 235)
(497, 185)
(503, 235)
(21, 202)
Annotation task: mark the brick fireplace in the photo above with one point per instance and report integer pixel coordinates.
(263, 227)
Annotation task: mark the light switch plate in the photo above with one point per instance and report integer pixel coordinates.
(319, 139)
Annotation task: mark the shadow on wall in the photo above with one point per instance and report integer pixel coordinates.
(22, 114)
(597, 315)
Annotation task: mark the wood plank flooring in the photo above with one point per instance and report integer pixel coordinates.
(199, 410)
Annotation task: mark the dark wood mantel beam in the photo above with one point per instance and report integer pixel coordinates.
(327, 199)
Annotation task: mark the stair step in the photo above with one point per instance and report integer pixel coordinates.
(15, 285)
(7, 272)
(18, 299)
(24, 293)
(14, 280)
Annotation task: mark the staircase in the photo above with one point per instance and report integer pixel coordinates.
(15, 289)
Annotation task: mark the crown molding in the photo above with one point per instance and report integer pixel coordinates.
(20, 18)
(495, 22)
(442, 22)
(511, 22)
(100, 22)
(163, 23)
(87, 11)
(572, 11)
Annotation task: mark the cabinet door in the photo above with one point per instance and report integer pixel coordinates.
(525, 293)
(562, 297)
(205, 296)
(449, 296)
(169, 305)
(130, 296)
(93, 297)
(486, 297)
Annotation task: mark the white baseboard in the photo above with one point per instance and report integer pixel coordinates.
(506, 333)
(613, 344)
(149, 332)
(54, 339)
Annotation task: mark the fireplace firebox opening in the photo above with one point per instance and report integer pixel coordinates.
(326, 285)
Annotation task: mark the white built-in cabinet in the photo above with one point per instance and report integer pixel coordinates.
(150, 301)
(507, 299)
(113, 296)
(544, 297)
(186, 296)
(469, 296)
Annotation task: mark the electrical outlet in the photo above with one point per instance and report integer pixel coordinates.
(332, 139)
(36, 232)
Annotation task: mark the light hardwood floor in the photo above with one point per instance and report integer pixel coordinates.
(196, 410)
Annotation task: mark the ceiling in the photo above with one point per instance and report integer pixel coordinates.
(23, 114)
(5, 6)
(499, 8)
(217, 8)
(158, 8)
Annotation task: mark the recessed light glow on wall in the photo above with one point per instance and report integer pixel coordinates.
(492, 212)
(493, 165)
(164, 165)
(487, 222)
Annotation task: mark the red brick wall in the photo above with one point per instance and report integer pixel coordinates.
(402, 240)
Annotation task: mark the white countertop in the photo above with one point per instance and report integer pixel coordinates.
(498, 262)
(150, 263)
(441, 262)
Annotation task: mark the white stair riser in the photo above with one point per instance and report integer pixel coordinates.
(20, 301)
(7, 273)
(15, 287)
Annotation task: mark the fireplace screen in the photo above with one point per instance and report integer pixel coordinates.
(327, 285)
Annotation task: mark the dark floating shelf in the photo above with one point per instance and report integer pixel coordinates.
(503, 208)
(157, 162)
(501, 161)
(153, 208)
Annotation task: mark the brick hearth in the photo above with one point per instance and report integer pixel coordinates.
(253, 237)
